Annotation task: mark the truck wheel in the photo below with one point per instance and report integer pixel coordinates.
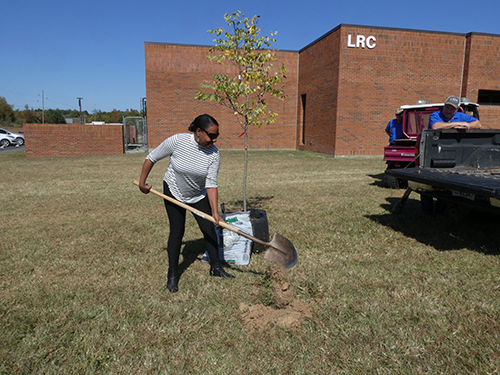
(403, 184)
(390, 181)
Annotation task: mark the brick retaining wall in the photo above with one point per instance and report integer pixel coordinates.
(62, 140)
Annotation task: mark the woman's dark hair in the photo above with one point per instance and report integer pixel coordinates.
(203, 122)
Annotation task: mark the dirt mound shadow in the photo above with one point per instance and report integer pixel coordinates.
(286, 312)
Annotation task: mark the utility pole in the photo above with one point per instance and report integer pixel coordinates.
(143, 107)
(80, 104)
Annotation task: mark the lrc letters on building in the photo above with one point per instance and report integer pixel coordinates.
(361, 41)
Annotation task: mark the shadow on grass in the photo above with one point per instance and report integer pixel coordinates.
(252, 203)
(192, 251)
(476, 231)
(385, 181)
(378, 180)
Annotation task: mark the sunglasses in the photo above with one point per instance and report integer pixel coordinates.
(212, 136)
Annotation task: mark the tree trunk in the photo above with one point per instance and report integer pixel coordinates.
(245, 170)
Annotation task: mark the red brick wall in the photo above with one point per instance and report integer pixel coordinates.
(173, 75)
(483, 62)
(61, 140)
(350, 93)
(405, 66)
(353, 92)
(318, 83)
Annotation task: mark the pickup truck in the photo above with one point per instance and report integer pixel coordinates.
(401, 152)
(456, 166)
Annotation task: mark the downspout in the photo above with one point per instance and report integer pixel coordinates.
(467, 41)
(463, 68)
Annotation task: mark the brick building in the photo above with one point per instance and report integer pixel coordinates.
(341, 90)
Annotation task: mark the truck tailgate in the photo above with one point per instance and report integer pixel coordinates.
(483, 183)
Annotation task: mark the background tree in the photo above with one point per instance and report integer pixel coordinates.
(97, 115)
(115, 116)
(244, 93)
(133, 112)
(72, 113)
(27, 115)
(7, 115)
(17, 117)
(54, 116)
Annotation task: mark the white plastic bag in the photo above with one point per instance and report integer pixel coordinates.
(234, 249)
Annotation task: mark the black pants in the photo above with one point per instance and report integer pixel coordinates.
(177, 220)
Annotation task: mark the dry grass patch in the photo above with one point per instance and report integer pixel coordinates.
(83, 271)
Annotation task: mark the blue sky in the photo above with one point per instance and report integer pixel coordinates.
(94, 49)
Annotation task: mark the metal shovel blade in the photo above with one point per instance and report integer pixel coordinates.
(282, 251)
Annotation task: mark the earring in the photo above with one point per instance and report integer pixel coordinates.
(198, 140)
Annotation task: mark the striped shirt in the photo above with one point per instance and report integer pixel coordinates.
(192, 168)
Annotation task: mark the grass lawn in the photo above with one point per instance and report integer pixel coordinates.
(83, 271)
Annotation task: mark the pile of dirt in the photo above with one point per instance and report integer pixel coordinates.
(288, 311)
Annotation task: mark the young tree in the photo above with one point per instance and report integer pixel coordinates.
(245, 92)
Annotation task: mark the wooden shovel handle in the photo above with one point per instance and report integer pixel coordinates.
(289, 250)
(200, 214)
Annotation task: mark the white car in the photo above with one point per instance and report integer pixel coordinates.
(7, 140)
(19, 138)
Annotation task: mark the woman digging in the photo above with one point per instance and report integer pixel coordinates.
(191, 178)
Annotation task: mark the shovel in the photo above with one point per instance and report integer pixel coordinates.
(280, 249)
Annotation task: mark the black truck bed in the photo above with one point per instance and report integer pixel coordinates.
(458, 166)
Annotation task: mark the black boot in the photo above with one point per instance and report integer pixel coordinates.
(217, 270)
(172, 281)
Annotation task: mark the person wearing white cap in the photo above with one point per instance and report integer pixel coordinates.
(395, 127)
(450, 118)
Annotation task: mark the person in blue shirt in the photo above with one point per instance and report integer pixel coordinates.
(395, 127)
(450, 118)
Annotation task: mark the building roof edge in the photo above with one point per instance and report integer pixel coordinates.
(483, 34)
(209, 46)
(391, 28)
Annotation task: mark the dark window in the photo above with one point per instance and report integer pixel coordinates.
(488, 97)
(302, 119)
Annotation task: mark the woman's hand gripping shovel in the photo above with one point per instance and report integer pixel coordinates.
(279, 250)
